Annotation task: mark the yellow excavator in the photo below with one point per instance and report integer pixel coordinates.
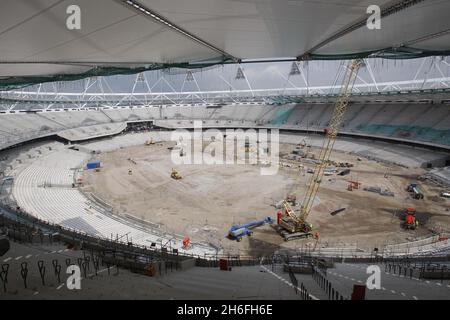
(293, 225)
(175, 175)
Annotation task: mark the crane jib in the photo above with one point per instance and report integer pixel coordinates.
(330, 136)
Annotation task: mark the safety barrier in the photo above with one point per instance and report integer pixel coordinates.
(325, 284)
(25, 225)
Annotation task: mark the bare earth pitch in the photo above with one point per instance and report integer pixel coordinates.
(211, 198)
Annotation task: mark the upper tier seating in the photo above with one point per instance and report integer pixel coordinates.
(407, 121)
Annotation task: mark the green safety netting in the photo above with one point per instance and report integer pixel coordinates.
(281, 100)
(389, 53)
(17, 82)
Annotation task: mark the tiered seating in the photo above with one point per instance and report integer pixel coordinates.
(71, 119)
(85, 133)
(175, 112)
(417, 122)
(421, 122)
(440, 175)
(22, 127)
(148, 113)
(115, 115)
(362, 115)
(380, 151)
(299, 116)
(124, 113)
(59, 203)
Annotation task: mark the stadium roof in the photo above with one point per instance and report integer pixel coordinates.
(128, 36)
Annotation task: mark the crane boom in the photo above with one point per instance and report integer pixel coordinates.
(330, 138)
(296, 223)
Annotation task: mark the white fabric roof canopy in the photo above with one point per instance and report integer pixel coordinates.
(117, 36)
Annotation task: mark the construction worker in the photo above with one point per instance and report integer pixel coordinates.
(186, 242)
(317, 235)
(416, 222)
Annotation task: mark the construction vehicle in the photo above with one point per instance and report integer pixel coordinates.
(236, 232)
(411, 221)
(416, 192)
(289, 226)
(353, 185)
(175, 175)
(291, 199)
(302, 143)
(329, 172)
(293, 225)
(344, 172)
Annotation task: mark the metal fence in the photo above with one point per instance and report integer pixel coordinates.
(425, 269)
(321, 279)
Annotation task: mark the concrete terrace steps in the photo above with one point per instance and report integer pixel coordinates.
(69, 208)
(359, 116)
(239, 283)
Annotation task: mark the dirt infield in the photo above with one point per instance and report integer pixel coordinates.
(210, 198)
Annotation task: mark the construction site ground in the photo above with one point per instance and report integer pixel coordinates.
(210, 198)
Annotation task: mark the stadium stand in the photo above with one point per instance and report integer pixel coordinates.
(410, 123)
(43, 188)
(44, 173)
(441, 176)
(403, 121)
(95, 131)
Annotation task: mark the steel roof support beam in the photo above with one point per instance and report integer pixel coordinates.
(369, 69)
(136, 6)
(304, 78)
(287, 80)
(443, 83)
(387, 10)
(425, 38)
(337, 77)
